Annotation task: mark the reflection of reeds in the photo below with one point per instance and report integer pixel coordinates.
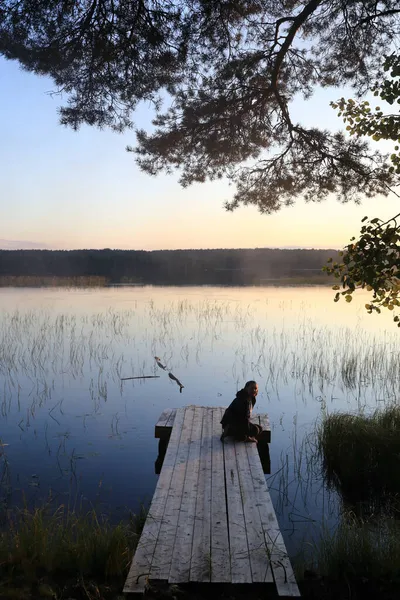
(5, 480)
(297, 481)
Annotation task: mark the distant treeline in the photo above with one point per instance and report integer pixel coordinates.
(173, 267)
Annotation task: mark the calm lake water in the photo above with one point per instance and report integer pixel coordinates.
(73, 431)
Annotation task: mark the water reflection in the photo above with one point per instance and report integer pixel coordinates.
(67, 417)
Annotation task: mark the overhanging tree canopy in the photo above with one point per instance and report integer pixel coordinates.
(373, 261)
(230, 70)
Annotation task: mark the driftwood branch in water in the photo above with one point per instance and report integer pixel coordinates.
(141, 377)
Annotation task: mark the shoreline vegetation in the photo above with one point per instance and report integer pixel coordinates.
(51, 281)
(361, 460)
(238, 267)
(94, 281)
(57, 553)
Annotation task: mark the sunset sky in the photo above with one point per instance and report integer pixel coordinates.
(64, 189)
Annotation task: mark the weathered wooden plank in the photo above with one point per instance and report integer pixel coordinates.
(281, 567)
(239, 552)
(220, 564)
(161, 564)
(160, 427)
(181, 555)
(171, 419)
(259, 560)
(143, 557)
(200, 565)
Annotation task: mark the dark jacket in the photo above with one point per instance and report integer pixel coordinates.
(238, 414)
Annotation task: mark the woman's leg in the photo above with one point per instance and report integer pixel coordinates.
(227, 431)
(256, 433)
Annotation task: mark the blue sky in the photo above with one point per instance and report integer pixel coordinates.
(65, 189)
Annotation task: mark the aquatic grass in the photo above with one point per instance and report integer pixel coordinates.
(361, 456)
(356, 549)
(60, 542)
(39, 345)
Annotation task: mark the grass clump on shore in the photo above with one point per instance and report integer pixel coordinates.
(367, 549)
(64, 553)
(361, 457)
(360, 559)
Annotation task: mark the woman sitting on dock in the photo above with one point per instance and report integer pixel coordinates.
(236, 420)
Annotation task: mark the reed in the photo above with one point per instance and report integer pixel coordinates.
(47, 546)
(361, 457)
(41, 345)
(357, 549)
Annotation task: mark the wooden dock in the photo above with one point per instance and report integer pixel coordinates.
(211, 519)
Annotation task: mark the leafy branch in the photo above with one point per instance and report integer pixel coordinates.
(371, 263)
